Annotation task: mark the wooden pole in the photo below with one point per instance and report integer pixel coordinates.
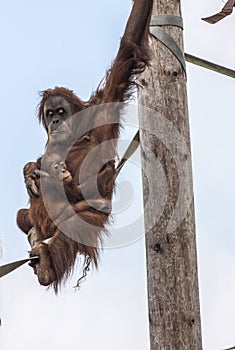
(173, 297)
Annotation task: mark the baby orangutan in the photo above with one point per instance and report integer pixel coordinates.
(54, 175)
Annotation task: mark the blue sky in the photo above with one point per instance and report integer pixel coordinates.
(71, 44)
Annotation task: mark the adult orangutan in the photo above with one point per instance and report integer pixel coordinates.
(85, 133)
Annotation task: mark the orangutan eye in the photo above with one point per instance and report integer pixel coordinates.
(61, 110)
(56, 166)
(50, 113)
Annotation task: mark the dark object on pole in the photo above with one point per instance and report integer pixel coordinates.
(226, 11)
(173, 297)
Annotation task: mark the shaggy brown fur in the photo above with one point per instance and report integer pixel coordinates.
(58, 257)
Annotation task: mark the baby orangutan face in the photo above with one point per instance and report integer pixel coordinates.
(57, 168)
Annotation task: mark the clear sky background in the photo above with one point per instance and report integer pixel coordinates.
(72, 43)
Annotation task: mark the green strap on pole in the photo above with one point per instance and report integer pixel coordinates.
(167, 20)
(155, 29)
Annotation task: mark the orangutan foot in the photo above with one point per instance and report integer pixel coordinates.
(43, 267)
